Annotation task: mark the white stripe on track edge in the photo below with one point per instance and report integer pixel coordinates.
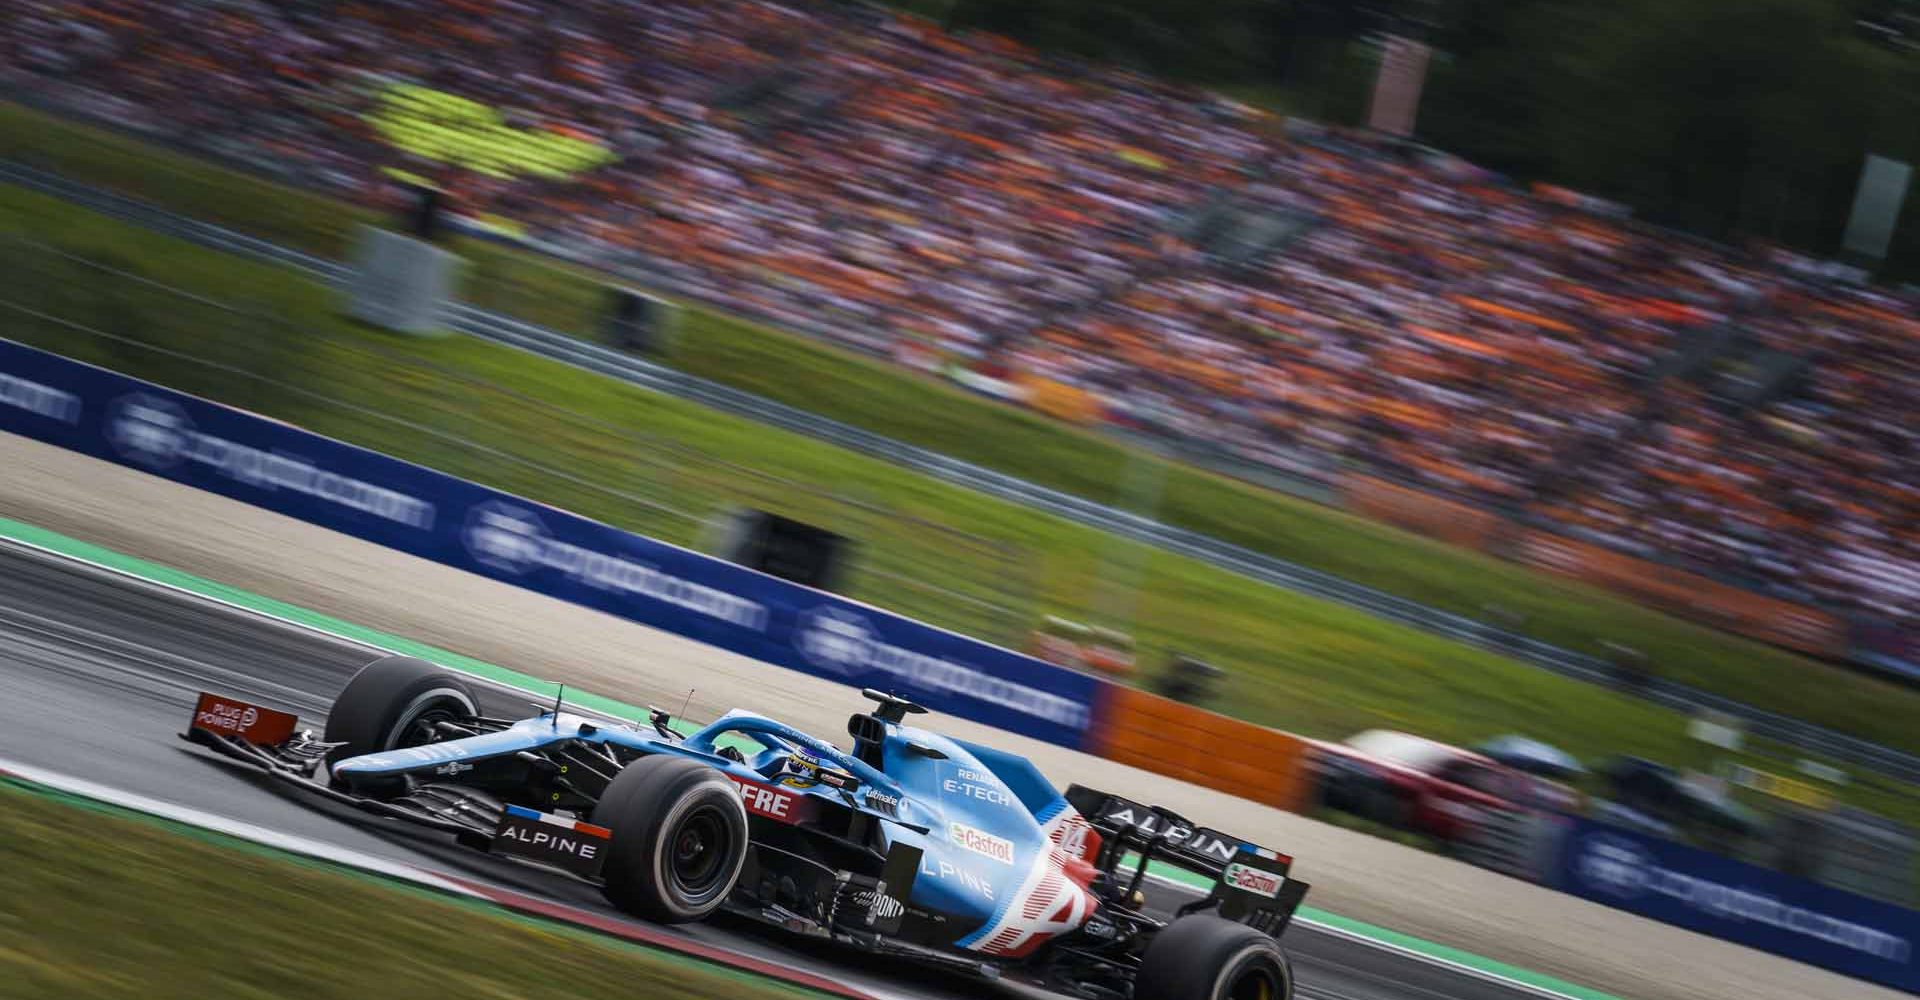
(281, 620)
(238, 829)
(1403, 951)
(1355, 937)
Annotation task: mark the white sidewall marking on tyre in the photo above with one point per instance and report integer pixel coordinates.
(419, 704)
(241, 610)
(664, 879)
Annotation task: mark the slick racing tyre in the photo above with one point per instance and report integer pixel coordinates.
(679, 838)
(395, 702)
(1387, 807)
(1203, 957)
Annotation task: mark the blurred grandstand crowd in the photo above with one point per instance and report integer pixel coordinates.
(959, 195)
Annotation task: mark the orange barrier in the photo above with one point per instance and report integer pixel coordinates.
(1201, 747)
(1459, 523)
(1688, 595)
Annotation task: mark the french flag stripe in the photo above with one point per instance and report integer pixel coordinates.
(561, 821)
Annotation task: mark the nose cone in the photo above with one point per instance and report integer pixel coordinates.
(369, 775)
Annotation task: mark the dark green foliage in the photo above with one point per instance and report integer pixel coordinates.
(1730, 118)
(1733, 119)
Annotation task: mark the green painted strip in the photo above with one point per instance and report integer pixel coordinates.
(53, 541)
(242, 845)
(1308, 914)
(33, 535)
(1528, 977)
(1407, 942)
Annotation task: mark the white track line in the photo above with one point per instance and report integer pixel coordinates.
(231, 827)
(1353, 936)
(362, 861)
(285, 622)
(1403, 951)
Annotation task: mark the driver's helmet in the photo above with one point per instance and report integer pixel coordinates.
(802, 768)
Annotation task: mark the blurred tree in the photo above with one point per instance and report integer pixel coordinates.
(1679, 107)
(1728, 117)
(1483, 99)
(1212, 40)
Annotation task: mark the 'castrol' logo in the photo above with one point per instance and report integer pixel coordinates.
(981, 842)
(1248, 879)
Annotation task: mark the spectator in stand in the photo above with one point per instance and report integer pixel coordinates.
(922, 192)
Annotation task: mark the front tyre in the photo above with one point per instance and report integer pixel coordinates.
(679, 838)
(395, 701)
(1204, 957)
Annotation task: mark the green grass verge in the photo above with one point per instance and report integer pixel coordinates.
(98, 903)
(1292, 662)
(891, 401)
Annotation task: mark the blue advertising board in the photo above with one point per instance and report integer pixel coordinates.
(417, 510)
(1739, 902)
(1887, 646)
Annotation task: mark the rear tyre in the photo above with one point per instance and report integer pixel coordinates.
(395, 702)
(1203, 957)
(679, 838)
(1388, 807)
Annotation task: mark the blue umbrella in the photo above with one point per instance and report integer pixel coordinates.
(1532, 756)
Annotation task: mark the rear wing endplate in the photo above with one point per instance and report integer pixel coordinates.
(1252, 884)
(1185, 844)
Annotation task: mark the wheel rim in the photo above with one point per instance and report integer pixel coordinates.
(1255, 981)
(697, 854)
(416, 722)
(423, 727)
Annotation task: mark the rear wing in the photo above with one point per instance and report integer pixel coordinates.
(1251, 884)
(1181, 843)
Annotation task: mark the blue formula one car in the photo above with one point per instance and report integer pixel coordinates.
(911, 844)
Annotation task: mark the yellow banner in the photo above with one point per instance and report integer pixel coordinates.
(1781, 787)
(447, 128)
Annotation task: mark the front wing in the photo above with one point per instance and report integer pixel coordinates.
(272, 742)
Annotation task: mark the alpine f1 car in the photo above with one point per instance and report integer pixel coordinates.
(912, 844)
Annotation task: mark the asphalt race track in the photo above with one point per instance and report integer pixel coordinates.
(98, 673)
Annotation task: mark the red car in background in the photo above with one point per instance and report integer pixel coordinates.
(1412, 783)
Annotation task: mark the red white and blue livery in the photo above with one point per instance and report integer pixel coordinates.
(909, 842)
